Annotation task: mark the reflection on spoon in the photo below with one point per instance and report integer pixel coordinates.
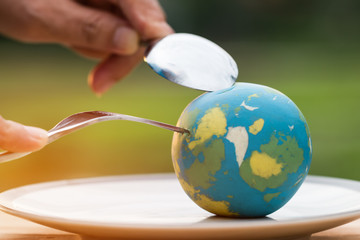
(192, 61)
(80, 120)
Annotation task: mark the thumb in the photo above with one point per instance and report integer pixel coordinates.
(15, 137)
(69, 23)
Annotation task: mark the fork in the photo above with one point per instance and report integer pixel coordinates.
(83, 119)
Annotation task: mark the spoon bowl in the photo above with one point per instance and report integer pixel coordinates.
(80, 120)
(192, 61)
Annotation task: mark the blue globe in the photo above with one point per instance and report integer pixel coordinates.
(248, 151)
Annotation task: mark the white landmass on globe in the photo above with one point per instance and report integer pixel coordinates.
(250, 108)
(240, 138)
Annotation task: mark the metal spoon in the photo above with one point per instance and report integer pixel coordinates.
(80, 120)
(192, 61)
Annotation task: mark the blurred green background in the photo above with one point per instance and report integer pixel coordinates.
(309, 50)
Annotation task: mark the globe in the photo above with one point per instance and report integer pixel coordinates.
(247, 153)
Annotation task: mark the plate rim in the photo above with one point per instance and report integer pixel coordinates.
(60, 223)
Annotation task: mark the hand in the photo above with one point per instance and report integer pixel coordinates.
(15, 137)
(110, 30)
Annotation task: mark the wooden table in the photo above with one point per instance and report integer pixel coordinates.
(13, 228)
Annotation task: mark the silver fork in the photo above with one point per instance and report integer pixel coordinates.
(80, 120)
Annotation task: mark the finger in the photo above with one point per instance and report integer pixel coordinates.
(112, 69)
(71, 23)
(15, 137)
(99, 4)
(107, 6)
(90, 53)
(147, 17)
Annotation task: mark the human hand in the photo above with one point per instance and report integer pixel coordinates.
(15, 137)
(110, 30)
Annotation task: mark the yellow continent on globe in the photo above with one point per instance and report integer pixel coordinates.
(263, 165)
(219, 207)
(257, 126)
(212, 123)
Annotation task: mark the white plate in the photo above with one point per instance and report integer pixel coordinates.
(155, 207)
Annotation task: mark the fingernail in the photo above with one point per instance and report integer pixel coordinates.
(126, 40)
(38, 135)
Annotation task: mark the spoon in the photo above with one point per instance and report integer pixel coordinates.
(80, 120)
(192, 61)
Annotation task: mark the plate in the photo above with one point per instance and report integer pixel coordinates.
(156, 207)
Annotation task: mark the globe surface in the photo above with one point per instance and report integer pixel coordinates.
(248, 151)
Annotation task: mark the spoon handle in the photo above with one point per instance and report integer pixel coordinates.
(80, 120)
